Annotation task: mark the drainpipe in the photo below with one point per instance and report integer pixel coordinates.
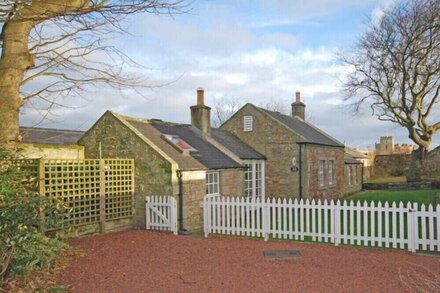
(179, 177)
(182, 231)
(300, 172)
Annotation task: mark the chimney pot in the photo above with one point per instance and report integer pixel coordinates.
(298, 97)
(200, 96)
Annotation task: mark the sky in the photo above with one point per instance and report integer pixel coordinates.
(256, 51)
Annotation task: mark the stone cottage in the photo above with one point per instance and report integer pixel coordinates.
(44, 143)
(171, 159)
(302, 161)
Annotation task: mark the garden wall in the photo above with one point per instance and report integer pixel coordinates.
(391, 165)
(402, 185)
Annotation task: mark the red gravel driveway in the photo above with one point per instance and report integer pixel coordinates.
(143, 261)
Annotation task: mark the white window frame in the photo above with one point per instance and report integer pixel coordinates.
(214, 184)
(248, 123)
(255, 184)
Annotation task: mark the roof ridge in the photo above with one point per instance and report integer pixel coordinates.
(50, 129)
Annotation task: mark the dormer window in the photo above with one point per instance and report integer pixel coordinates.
(248, 122)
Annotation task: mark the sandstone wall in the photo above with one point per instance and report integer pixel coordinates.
(276, 143)
(232, 182)
(311, 164)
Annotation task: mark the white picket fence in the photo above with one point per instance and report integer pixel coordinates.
(161, 213)
(379, 225)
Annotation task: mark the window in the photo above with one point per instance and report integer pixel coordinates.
(248, 180)
(248, 122)
(254, 179)
(212, 183)
(179, 143)
(321, 173)
(354, 175)
(349, 174)
(330, 170)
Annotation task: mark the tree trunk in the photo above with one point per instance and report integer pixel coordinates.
(416, 165)
(16, 59)
(14, 62)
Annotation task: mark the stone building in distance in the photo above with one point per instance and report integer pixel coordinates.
(302, 161)
(387, 146)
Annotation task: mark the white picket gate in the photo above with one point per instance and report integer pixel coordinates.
(379, 225)
(161, 213)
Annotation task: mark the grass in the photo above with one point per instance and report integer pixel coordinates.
(426, 197)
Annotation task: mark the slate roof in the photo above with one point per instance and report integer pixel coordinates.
(50, 135)
(235, 145)
(206, 154)
(152, 134)
(348, 159)
(355, 153)
(310, 133)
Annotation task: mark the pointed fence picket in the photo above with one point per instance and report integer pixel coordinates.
(354, 223)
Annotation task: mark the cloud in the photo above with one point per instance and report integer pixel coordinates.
(221, 48)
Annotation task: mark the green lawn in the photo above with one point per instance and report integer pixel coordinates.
(420, 196)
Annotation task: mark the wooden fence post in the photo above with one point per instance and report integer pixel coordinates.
(102, 196)
(41, 192)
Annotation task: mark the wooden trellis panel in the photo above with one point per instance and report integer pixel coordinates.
(92, 190)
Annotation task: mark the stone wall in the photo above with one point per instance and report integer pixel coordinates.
(152, 171)
(194, 190)
(232, 182)
(49, 151)
(391, 165)
(431, 166)
(313, 155)
(402, 185)
(276, 143)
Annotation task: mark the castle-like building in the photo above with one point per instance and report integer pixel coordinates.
(387, 146)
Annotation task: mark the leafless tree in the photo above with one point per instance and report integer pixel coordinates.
(276, 105)
(223, 109)
(395, 70)
(58, 48)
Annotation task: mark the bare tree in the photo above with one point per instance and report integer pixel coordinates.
(396, 66)
(276, 105)
(223, 109)
(57, 48)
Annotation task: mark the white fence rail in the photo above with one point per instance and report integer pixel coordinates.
(161, 213)
(379, 225)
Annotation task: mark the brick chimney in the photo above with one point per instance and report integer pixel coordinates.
(298, 107)
(201, 114)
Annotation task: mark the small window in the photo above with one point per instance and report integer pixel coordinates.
(349, 174)
(331, 164)
(248, 122)
(212, 183)
(355, 175)
(321, 173)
